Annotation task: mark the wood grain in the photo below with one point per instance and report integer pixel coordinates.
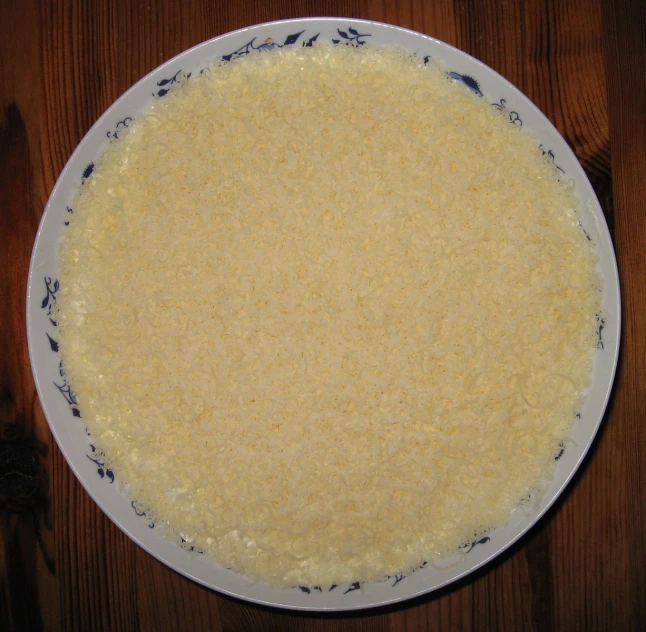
(64, 565)
(625, 38)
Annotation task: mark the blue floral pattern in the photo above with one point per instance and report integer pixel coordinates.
(268, 44)
(119, 127)
(352, 37)
(468, 81)
(601, 323)
(66, 390)
(513, 115)
(467, 548)
(52, 286)
(48, 303)
(102, 469)
(550, 155)
(87, 172)
(163, 91)
(141, 512)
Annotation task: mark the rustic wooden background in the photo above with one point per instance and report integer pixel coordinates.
(64, 565)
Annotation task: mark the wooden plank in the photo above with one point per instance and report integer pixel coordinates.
(28, 588)
(625, 45)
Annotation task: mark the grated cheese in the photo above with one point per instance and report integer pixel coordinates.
(327, 313)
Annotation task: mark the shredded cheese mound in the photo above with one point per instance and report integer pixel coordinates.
(327, 313)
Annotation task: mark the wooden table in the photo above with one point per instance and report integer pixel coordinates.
(64, 565)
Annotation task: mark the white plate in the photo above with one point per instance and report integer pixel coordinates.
(60, 405)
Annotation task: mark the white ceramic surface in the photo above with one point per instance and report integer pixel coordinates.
(61, 407)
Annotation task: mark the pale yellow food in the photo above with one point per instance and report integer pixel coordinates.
(327, 313)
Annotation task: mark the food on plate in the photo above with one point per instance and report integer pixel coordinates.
(328, 313)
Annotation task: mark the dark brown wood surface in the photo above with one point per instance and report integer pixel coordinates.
(64, 565)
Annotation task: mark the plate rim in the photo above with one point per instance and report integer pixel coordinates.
(66, 449)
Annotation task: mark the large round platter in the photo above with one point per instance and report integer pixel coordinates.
(61, 406)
